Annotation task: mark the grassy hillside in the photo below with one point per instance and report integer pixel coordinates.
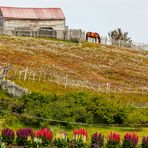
(87, 62)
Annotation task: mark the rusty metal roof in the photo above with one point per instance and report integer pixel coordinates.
(32, 13)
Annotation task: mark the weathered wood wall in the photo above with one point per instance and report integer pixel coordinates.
(35, 24)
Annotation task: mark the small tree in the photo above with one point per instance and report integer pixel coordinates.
(119, 37)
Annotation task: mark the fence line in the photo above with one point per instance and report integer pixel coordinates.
(52, 76)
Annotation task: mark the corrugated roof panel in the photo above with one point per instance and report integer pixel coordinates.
(32, 13)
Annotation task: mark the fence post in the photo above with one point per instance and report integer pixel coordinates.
(44, 77)
(33, 77)
(20, 73)
(108, 87)
(106, 40)
(99, 88)
(25, 76)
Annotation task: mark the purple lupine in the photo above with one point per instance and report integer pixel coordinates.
(8, 132)
(24, 132)
(97, 140)
(8, 136)
(145, 142)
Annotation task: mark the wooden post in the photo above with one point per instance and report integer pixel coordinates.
(108, 87)
(44, 77)
(25, 76)
(20, 74)
(29, 77)
(39, 76)
(99, 88)
(33, 77)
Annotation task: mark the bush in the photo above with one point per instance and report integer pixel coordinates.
(8, 136)
(137, 117)
(77, 107)
(113, 140)
(97, 140)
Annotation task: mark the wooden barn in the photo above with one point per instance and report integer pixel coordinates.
(34, 19)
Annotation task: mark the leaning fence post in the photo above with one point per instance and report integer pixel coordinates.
(20, 74)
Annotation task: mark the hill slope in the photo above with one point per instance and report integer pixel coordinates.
(87, 62)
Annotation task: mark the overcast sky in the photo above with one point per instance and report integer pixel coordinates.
(98, 15)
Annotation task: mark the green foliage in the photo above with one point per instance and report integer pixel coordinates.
(23, 142)
(137, 117)
(41, 110)
(61, 143)
(76, 144)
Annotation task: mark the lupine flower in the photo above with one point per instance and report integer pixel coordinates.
(145, 142)
(113, 140)
(114, 137)
(24, 136)
(61, 135)
(130, 140)
(79, 138)
(24, 132)
(43, 133)
(8, 132)
(80, 133)
(61, 140)
(8, 136)
(97, 140)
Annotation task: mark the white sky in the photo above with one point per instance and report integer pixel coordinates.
(99, 15)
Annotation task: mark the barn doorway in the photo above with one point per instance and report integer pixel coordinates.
(47, 32)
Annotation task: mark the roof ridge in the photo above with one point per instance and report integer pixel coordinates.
(31, 7)
(32, 13)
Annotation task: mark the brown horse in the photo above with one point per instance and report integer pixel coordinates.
(94, 35)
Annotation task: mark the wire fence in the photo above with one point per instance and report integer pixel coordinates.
(52, 75)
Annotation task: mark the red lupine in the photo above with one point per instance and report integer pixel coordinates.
(43, 133)
(80, 131)
(130, 139)
(114, 137)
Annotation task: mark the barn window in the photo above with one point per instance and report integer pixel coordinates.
(22, 31)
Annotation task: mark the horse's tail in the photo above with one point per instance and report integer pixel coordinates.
(87, 34)
(99, 39)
